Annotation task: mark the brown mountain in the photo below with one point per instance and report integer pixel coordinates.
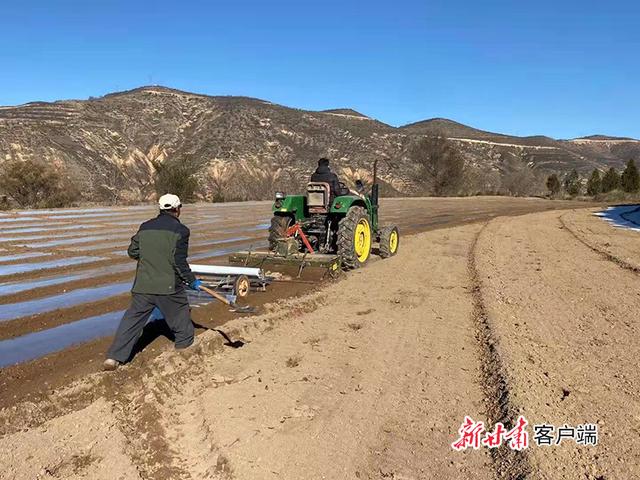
(448, 128)
(548, 154)
(109, 143)
(347, 112)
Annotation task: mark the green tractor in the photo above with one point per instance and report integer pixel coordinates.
(344, 224)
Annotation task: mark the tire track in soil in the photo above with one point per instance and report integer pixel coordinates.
(603, 253)
(146, 444)
(163, 410)
(110, 385)
(149, 401)
(507, 463)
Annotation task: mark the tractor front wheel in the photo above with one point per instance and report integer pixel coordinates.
(278, 230)
(389, 241)
(354, 238)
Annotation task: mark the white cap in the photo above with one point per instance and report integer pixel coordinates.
(169, 201)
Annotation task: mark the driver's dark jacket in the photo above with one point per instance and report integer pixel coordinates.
(324, 174)
(161, 248)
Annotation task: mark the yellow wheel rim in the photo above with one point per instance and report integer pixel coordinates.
(393, 241)
(243, 288)
(362, 240)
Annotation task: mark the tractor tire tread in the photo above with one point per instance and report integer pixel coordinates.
(346, 236)
(385, 235)
(278, 229)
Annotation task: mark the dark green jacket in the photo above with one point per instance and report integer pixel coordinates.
(161, 247)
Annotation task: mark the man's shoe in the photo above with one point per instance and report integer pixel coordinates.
(187, 347)
(194, 348)
(110, 364)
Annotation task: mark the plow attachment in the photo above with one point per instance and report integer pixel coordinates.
(301, 260)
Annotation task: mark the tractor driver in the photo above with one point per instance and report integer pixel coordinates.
(324, 174)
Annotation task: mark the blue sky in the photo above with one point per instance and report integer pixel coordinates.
(560, 68)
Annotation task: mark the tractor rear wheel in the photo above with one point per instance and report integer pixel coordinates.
(389, 241)
(278, 230)
(354, 238)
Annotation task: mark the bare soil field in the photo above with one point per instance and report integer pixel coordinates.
(565, 318)
(486, 312)
(43, 306)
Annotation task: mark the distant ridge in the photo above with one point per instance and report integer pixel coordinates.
(119, 136)
(345, 111)
(448, 128)
(605, 137)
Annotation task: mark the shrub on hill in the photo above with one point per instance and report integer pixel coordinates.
(594, 184)
(572, 184)
(178, 176)
(610, 181)
(32, 184)
(553, 184)
(618, 196)
(630, 179)
(440, 166)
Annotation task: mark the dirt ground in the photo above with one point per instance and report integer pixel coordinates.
(361, 379)
(209, 223)
(371, 376)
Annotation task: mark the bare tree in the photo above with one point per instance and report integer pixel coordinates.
(141, 177)
(518, 178)
(35, 184)
(440, 165)
(215, 182)
(179, 176)
(112, 185)
(252, 179)
(553, 184)
(125, 181)
(481, 180)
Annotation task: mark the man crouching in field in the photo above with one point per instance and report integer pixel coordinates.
(161, 249)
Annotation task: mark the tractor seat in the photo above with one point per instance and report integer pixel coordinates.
(318, 197)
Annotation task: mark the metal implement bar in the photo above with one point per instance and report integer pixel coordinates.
(220, 270)
(260, 258)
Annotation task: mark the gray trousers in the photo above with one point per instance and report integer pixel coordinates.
(174, 307)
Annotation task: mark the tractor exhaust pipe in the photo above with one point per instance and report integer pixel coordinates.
(374, 188)
(375, 171)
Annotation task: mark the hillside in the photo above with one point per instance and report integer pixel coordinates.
(448, 128)
(603, 137)
(109, 143)
(583, 154)
(348, 112)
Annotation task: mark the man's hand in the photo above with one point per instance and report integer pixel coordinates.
(196, 285)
